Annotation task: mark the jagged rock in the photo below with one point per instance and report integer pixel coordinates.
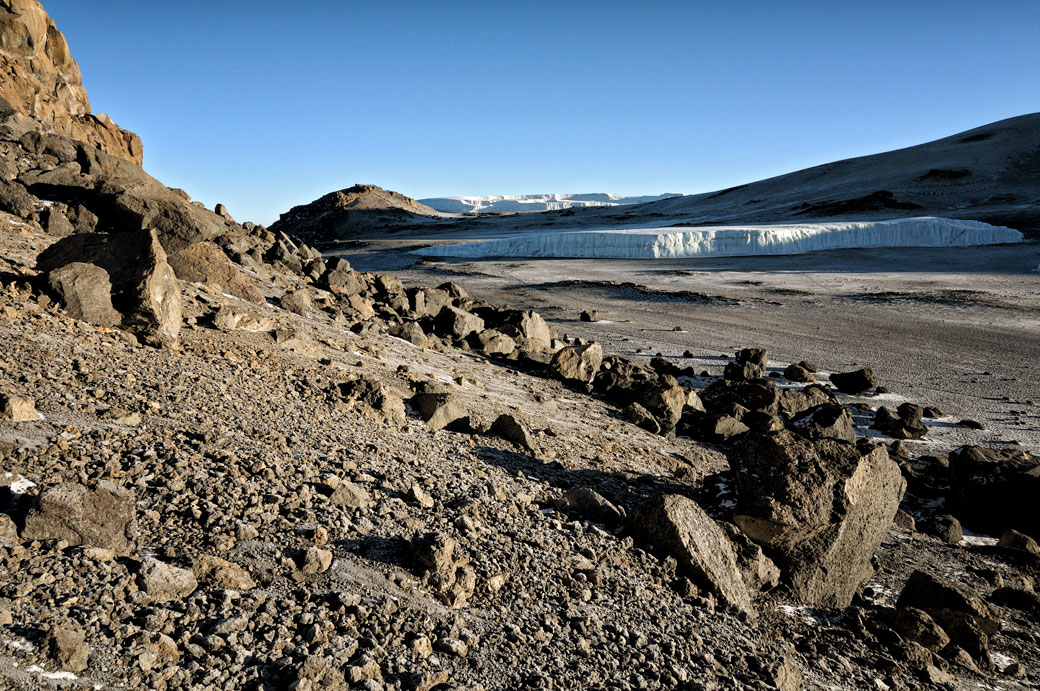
(918, 626)
(228, 318)
(760, 394)
(1012, 539)
(297, 341)
(785, 676)
(828, 421)
(86, 293)
(680, 527)
(798, 373)
(640, 416)
(820, 508)
(993, 490)
(439, 409)
(204, 262)
(359, 307)
(906, 423)
(18, 408)
(222, 573)
(578, 363)
(495, 343)
(589, 316)
(56, 223)
(104, 516)
(965, 617)
(15, 200)
(144, 287)
(377, 398)
(164, 582)
(68, 648)
(316, 560)
(856, 382)
(340, 279)
(592, 506)
(794, 401)
(298, 302)
(760, 573)
(716, 428)
(40, 78)
(8, 531)
(452, 322)
(453, 580)
(750, 364)
(945, 527)
(508, 427)
(351, 495)
(411, 332)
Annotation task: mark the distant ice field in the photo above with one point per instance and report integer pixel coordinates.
(734, 241)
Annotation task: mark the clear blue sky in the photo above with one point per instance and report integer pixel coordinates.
(262, 105)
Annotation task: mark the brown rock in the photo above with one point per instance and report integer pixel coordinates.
(204, 262)
(86, 293)
(104, 516)
(164, 582)
(18, 408)
(68, 648)
(578, 363)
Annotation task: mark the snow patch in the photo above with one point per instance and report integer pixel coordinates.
(20, 484)
(976, 540)
(733, 241)
(57, 676)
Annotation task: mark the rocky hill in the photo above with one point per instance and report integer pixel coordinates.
(358, 211)
(229, 462)
(39, 78)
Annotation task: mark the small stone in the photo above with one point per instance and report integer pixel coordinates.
(164, 582)
(453, 646)
(316, 560)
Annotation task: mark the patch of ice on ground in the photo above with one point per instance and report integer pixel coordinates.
(56, 676)
(734, 241)
(977, 540)
(808, 615)
(20, 644)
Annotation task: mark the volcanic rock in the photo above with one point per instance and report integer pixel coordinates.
(680, 527)
(453, 580)
(856, 382)
(439, 409)
(18, 408)
(1012, 539)
(164, 582)
(827, 421)
(945, 527)
(592, 506)
(820, 508)
(68, 648)
(577, 363)
(452, 322)
(508, 427)
(104, 516)
(799, 373)
(204, 262)
(377, 398)
(86, 293)
(993, 490)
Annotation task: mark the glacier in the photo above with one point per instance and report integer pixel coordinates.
(733, 241)
(534, 202)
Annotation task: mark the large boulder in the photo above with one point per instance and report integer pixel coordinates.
(820, 508)
(204, 262)
(678, 526)
(578, 363)
(635, 389)
(144, 286)
(857, 382)
(103, 516)
(86, 293)
(993, 490)
(38, 77)
(452, 322)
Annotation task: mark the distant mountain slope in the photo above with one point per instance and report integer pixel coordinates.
(991, 173)
(357, 211)
(535, 202)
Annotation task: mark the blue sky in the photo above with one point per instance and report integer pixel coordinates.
(262, 105)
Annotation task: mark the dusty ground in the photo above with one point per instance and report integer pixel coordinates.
(957, 328)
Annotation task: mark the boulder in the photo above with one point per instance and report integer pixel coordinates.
(918, 626)
(439, 409)
(411, 332)
(103, 516)
(351, 495)
(577, 363)
(340, 279)
(164, 582)
(508, 427)
(222, 573)
(944, 527)
(67, 647)
(433, 557)
(86, 292)
(993, 490)
(679, 527)
(760, 394)
(820, 508)
(750, 364)
(204, 262)
(798, 373)
(452, 322)
(18, 408)
(15, 200)
(377, 399)
(144, 286)
(316, 560)
(1012, 539)
(827, 421)
(856, 382)
(905, 423)
(760, 573)
(589, 316)
(641, 417)
(493, 342)
(593, 506)
(794, 401)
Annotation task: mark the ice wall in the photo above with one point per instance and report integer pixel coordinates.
(734, 241)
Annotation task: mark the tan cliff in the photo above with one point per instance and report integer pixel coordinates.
(39, 77)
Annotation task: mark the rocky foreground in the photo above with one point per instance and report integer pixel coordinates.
(230, 462)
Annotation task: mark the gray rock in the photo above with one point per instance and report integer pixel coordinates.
(164, 582)
(819, 508)
(578, 363)
(452, 322)
(508, 427)
(86, 293)
(104, 516)
(592, 506)
(680, 527)
(827, 421)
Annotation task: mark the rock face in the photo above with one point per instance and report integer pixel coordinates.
(38, 77)
(104, 516)
(820, 508)
(86, 292)
(144, 287)
(680, 527)
(993, 490)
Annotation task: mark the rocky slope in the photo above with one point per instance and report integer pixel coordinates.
(39, 78)
(229, 462)
(358, 211)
